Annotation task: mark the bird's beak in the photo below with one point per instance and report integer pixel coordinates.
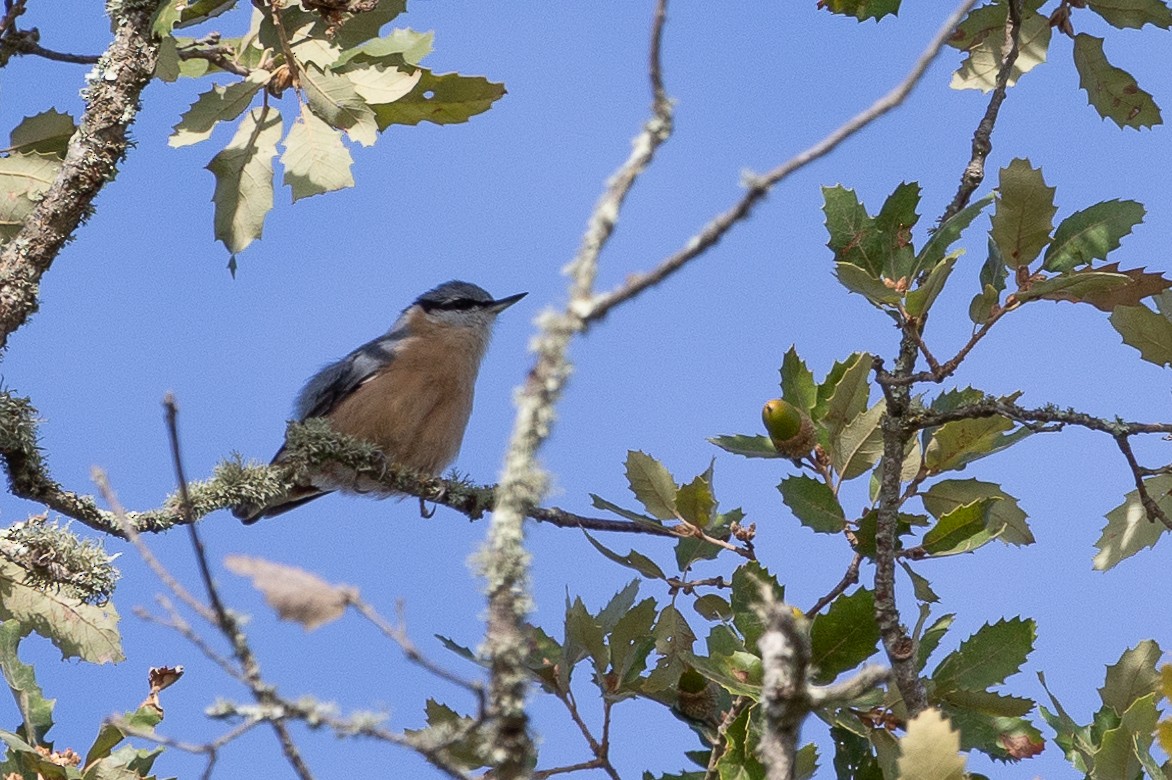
(500, 305)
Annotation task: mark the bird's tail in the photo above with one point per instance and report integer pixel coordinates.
(250, 513)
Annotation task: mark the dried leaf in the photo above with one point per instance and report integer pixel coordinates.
(294, 593)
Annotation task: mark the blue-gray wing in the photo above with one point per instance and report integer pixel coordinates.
(326, 389)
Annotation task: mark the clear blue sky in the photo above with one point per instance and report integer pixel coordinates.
(141, 304)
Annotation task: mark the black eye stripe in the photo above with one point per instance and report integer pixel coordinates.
(457, 304)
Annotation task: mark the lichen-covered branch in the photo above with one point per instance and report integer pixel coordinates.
(112, 100)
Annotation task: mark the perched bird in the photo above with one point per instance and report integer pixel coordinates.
(408, 391)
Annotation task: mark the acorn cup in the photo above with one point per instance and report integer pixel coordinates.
(789, 428)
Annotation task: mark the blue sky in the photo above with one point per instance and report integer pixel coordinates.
(141, 303)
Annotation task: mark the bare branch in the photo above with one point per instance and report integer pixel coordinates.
(1150, 506)
(849, 578)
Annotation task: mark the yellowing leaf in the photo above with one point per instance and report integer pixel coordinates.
(23, 179)
(382, 84)
(334, 99)
(315, 158)
(244, 179)
(931, 749)
(1128, 528)
(985, 42)
(218, 104)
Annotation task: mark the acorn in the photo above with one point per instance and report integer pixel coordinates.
(789, 428)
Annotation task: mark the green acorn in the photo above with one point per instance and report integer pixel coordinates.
(789, 428)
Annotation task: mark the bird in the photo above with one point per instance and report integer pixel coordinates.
(408, 392)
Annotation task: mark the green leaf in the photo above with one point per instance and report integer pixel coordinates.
(710, 606)
(400, 45)
(584, 638)
(1005, 519)
(1075, 286)
(333, 98)
(652, 484)
(993, 734)
(982, 36)
(36, 711)
(739, 760)
(365, 26)
(24, 178)
(854, 238)
(631, 641)
(77, 629)
(956, 444)
(813, 504)
(45, 133)
(632, 560)
(695, 502)
(747, 446)
(1117, 755)
(853, 757)
(315, 159)
(1128, 528)
(987, 702)
(859, 445)
(797, 382)
(961, 530)
(932, 637)
(921, 299)
(995, 652)
(244, 179)
(1147, 331)
(846, 398)
(896, 220)
(218, 104)
(110, 736)
(747, 582)
(445, 99)
(739, 672)
(1092, 233)
(1139, 284)
(921, 588)
(861, 10)
(601, 503)
(1132, 677)
(1024, 215)
(1110, 90)
(947, 234)
(844, 635)
(618, 605)
(859, 280)
(931, 749)
(1133, 13)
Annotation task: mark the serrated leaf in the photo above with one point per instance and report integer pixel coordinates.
(583, 639)
(797, 382)
(988, 702)
(813, 504)
(618, 605)
(747, 582)
(632, 560)
(844, 635)
(947, 234)
(631, 641)
(1134, 14)
(955, 444)
(982, 36)
(846, 393)
(443, 99)
(1023, 218)
(1091, 234)
(1147, 331)
(45, 133)
(739, 672)
(1128, 528)
(193, 12)
(333, 98)
(400, 45)
(854, 237)
(1075, 286)
(36, 711)
(859, 280)
(1005, 738)
(921, 299)
(292, 592)
(921, 588)
(1005, 518)
(931, 749)
(896, 220)
(695, 502)
(382, 83)
(24, 178)
(747, 446)
(1140, 284)
(652, 484)
(1117, 755)
(1110, 90)
(961, 530)
(996, 651)
(1132, 677)
(861, 10)
(315, 159)
(244, 179)
(218, 104)
(932, 636)
(859, 445)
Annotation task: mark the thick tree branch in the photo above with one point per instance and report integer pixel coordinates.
(112, 100)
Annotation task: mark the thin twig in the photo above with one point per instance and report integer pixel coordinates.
(209, 749)
(1151, 507)
(218, 56)
(601, 760)
(738, 706)
(759, 186)
(938, 372)
(851, 577)
(176, 623)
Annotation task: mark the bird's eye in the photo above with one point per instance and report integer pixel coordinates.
(455, 304)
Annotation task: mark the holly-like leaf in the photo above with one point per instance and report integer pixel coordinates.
(860, 444)
(844, 635)
(583, 639)
(1110, 90)
(996, 651)
(797, 382)
(24, 178)
(947, 234)
(931, 749)
(1132, 677)
(1128, 528)
(1091, 234)
(441, 99)
(813, 504)
(854, 238)
(960, 530)
(315, 159)
(1075, 286)
(896, 220)
(747, 582)
(632, 560)
(747, 446)
(631, 641)
(218, 104)
(955, 444)
(861, 281)
(652, 484)
(921, 299)
(1024, 215)
(862, 10)
(932, 636)
(45, 133)
(294, 593)
(77, 629)
(1120, 747)
(1005, 519)
(601, 503)
(400, 46)
(1141, 284)
(695, 502)
(36, 711)
(1134, 14)
(1147, 331)
(982, 36)
(334, 99)
(244, 179)
(846, 393)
